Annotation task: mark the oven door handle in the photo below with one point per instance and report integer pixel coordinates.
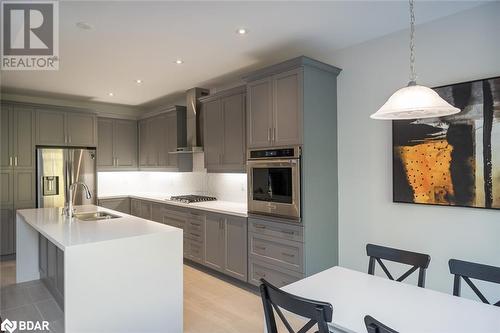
(273, 163)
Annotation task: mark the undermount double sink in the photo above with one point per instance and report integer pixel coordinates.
(94, 216)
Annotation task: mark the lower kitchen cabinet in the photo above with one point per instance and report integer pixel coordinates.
(119, 204)
(226, 244)
(7, 231)
(51, 268)
(135, 207)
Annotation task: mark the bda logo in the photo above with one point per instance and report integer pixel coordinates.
(8, 325)
(30, 35)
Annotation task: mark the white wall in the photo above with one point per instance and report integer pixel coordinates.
(224, 186)
(458, 48)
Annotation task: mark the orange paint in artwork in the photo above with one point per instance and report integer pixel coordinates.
(427, 167)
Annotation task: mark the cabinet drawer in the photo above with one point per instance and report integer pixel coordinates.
(173, 218)
(277, 276)
(276, 229)
(281, 252)
(193, 250)
(195, 226)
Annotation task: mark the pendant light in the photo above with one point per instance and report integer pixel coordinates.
(414, 101)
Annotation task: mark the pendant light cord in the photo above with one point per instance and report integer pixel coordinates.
(413, 74)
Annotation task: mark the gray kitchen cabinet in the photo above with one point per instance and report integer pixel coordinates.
(105, 141)
(118, 204)
(224, 131)
(7, 231)
(214, 242)
(24, 188)
(5, 136)
(51, 128)
(145, 210)
(62, 128)
(51, 267)
(135, 207)
(7, 187)
(274, 114)
(143, 143)
(157, 212)
(194, 236)
(171, 138)
(226, 244)
(259, 113)
(18, 141)
(117, 144)
(149, 135)
(174, 218)
(81, 129)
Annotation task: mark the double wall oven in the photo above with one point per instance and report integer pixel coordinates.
(274, 182)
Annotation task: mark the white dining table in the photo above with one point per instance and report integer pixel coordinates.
(403, 307)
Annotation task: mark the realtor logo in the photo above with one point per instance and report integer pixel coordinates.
(30, 35)
(8, 326)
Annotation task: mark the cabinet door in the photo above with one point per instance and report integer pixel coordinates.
(24, 188)
(7, 231)
(120, 205)
(233, 143)
(81, 129)
(145, 211)
(50, 128)
(287, 110)
(214, 242)
(42, 256)
(143, 143)
(24, 137)
(51, 264)
(6, 158)
(6, 187)
(60, 272)
(125, 144)
(105, 156)
(235, 249)
(135, 207)
(157, 212)
(160, 126)
(259, 113)
(212, 114)
(172, 139)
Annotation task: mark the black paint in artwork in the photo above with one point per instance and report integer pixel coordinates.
(487, 129)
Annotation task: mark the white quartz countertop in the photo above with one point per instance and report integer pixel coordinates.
(218, 206)
(59, 230)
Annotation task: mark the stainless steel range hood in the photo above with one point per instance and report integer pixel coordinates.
(194, 122)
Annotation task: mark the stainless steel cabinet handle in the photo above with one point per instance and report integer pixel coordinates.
(263, 248)
(10, 160)
(259, 226)
(274, 133)
(288, 232)
(288, 254)
(15, 161)
(117, 161)
(269, 134)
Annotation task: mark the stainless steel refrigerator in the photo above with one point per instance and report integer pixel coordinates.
(57, 168)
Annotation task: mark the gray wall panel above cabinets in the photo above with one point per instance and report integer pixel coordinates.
(117, 144)
(224, 130)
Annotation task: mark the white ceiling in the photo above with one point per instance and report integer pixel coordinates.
(141, 40)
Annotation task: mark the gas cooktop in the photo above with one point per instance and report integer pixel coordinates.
(192, 198)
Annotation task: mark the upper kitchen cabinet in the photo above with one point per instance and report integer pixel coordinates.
(117, 144)
(158, 138)
(17, 136)
(61, 128)
(224, 130)
(275, 100)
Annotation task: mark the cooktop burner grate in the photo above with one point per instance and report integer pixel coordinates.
(192, 198)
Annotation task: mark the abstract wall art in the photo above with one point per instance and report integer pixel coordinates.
(453, 160)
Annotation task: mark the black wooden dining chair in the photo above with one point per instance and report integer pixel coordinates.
(467, 270)
(374, 326)
(318, 313)
(418, 261)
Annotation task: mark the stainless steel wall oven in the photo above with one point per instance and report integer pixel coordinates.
(274, 182)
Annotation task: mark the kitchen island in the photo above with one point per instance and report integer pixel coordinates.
(119, 275)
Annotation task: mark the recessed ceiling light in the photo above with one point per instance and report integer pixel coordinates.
(179, 61)
(242, 31)
(84, 25)
(138, 81)
(111, 94)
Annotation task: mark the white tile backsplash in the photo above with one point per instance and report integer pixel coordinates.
(227, 187)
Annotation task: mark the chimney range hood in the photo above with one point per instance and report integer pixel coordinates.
(194, 123)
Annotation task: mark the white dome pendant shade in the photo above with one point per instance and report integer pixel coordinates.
(414, 102)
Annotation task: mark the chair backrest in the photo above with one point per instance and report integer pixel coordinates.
(318, 313)
(467, 270)
(374, 326)
(418, 261)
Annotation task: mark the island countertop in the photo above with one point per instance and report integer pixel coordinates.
(56, 227)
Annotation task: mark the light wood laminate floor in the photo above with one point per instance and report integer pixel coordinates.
(211, 303)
